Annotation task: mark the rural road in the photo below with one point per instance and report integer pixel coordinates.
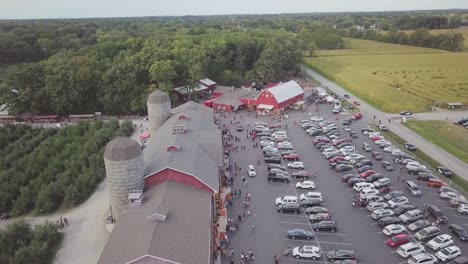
(443, 157)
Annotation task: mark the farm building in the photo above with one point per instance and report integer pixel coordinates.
(204, 87)
(181, 175)
(232, 99)
(455, 105)
(280, 96)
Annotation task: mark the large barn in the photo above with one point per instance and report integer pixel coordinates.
(280, 96)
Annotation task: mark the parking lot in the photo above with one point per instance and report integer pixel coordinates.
(356, 229)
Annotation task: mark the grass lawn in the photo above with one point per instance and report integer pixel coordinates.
(450, 137)
(412, 79)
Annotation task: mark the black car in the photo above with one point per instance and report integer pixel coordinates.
(376, 155)
(403, 209)
(277, 166)
(437, 214)
(410, 146)
(367, 129)
(347, 122)
(239, 128)
(342, 145)
(350, 106)
(388, 220)
(302, 174)
(300, 234)
(444, 171)
(363, 162)
(341, 254)
(353, 181)
(424, 176)
(270, 154)
(315, 132)
(406, 113)
(278, 177)
(353, 134)
(346, 177)
(273, 159)
(294, 208)
(311, 202)
(364, 168)
(315, 210)
(387, 165)
(459, 231)
(374, 177)
(320, 144)
(393, 194)
(343, 167)
(326, 225)
(346, 96)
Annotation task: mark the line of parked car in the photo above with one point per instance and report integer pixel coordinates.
(393, 211)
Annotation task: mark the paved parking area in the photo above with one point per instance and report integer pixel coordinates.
(356, 230)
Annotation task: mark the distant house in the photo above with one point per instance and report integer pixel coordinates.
(280, 96)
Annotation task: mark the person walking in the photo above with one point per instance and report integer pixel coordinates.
(276, 258)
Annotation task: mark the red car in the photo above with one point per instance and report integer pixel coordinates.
(291, 157)
(397, 240)
(357, 103)
(322, 139)
(356, 116)
(375, 138)
(367, 173)
(276, 126)
(435, 183)
(341, 141)
(337, 158)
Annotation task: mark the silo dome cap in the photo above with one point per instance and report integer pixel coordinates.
(158, 96)
(122, 148)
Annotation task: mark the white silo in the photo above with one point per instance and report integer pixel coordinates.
(123, 159)
(159, 109)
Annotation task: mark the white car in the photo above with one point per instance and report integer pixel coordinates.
(296, 165)
(310, 252)
(380, 213)
(310, 195)
(393, 229)
(414, 166)
(439, 242)
(316, 119)
(354, 156)
(373, 134)
(398, 201)
(383, 127)
(422, 258)
(376, 205)
(347, 128)
(305, 185)
(265, 143)
(448, 253)
(270, 148)
(284, 143)
(251, 170)
(410, 249)
(353, 161)
(368, 192)
(389, 149)
(260, 123)
(448, 195)
(463, 209)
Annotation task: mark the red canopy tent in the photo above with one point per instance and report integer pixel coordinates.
(145, 135)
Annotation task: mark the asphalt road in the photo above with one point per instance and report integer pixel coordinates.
(356, 230)
(443, 157)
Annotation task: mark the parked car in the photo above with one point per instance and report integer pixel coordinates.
(393, 229)
(410, 249)
(341, 254)
(273, 159)
(422, 258)
(383, 127)
(444, 171)
(435, 183)
(376, 205)
(343, 167)
(424, 176)
(387, 165)
(448, 253)
(363, 168)
(315, 210)
(376, 155)
(440, 241)
(328, 225)
(397, 240)
(406, 113)
(293, 157)
(300, 234)
(346, 177)
(427, 233)
(379, 213)
(403, 209)
(310, 185)
(301, 174)
(438, 214)
(418, 225)
(410, 146)
(459, 232)
(309, 252)
(310, 202)
(278, 177)
(314, 218)
(448, 195)
(294, 208)
(367, 173)
(374, 177)
(397, 201)
(388, 220)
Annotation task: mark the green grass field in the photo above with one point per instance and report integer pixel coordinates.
(450, 137)
(394, 78)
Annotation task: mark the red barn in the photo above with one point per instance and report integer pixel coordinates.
(281, 96)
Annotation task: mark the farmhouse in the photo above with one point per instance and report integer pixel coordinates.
(181, 168)
(280, 96)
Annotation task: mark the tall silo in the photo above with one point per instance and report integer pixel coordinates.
(159, 109)
(123, 159)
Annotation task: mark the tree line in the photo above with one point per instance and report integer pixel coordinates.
(21, 244)
(110, 65)
(42, 169)
(420, 37)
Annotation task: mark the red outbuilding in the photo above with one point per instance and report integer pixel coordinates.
(280, 96)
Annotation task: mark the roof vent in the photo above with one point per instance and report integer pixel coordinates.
(178, 129)
(172, 148)
(183, 117)
(160, 214)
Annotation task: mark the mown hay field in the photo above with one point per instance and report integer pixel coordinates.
(446, 135)
(395, 82)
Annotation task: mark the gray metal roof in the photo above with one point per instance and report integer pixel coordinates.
(233, 97)
(122, 148)
(158, 97)
(286, 91)
(200, 147)
(136, 234)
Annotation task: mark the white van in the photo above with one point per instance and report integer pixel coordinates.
(286, 200)
(382, 182)
(363, 185)
(311, 195)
